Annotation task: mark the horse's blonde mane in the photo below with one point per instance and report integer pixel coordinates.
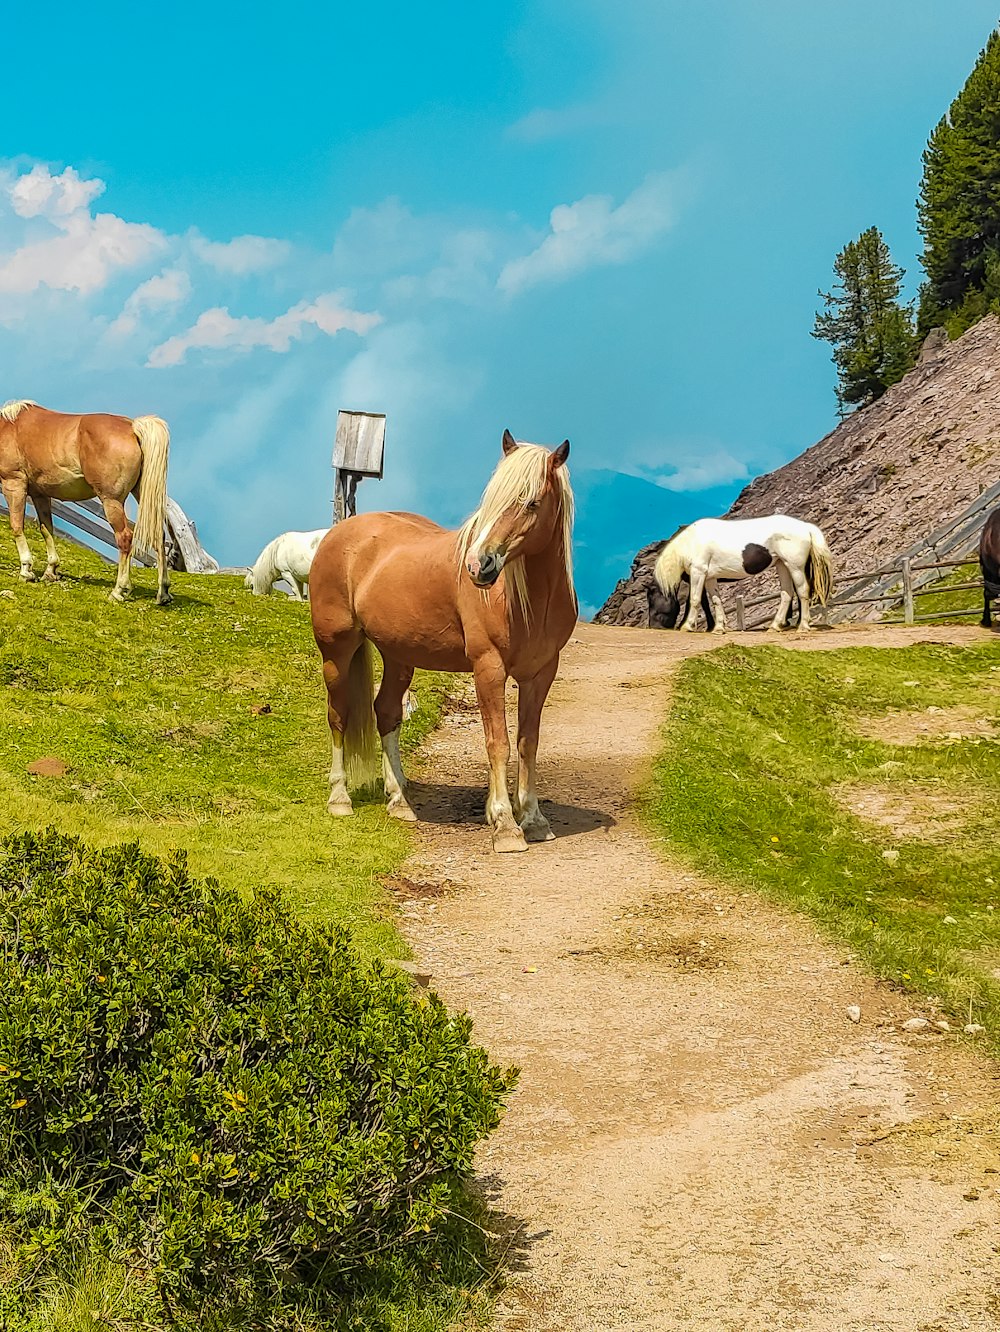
(520, 478)
(672, 562)
(10, 411)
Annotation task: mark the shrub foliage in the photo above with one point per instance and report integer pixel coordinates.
(202, 1081)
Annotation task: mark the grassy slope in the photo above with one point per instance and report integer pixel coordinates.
(756, 742)
(158, 712)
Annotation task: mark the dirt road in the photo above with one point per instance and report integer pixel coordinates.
(701, 1137)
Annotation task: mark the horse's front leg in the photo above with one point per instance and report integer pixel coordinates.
(531, 698)
(15, 492)
(43, 507)
(697, 577)
(490, 678)
(718, 610)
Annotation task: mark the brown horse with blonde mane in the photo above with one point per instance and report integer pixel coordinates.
(495, 598)
(51, 455)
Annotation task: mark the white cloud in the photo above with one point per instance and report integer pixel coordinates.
(166, 289)
(242, 255)
(592, 232)
(217, 329)
(82, 258)
(40, 194)
(545, 123)
(698, 465)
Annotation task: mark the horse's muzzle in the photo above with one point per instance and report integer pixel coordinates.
(484, 572)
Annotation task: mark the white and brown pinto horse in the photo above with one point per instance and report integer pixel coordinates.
(714, 550)
(495, 598)
(51, 455)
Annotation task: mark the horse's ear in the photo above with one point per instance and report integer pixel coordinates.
(509, 442)
(560, 454)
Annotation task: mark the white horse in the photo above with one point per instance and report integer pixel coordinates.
(288, 556)
(714, 550)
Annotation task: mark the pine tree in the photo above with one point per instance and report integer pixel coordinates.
(959, 204)
(870, 330)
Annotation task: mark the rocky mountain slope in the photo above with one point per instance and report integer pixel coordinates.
(887, 475)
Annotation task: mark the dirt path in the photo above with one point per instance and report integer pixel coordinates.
(699, 1138)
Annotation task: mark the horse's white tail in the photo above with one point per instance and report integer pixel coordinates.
(264, 573)
(148, 534)
(362, 747)
(819, 566)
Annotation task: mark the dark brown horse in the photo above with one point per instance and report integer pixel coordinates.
(989, 562)
(495, 598)
(50, 455)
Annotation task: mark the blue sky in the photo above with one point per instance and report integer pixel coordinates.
(606, 221)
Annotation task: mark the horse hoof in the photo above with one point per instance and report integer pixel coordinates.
(399, 809)
(50, 576)
(118, 594)
(538, 832)
(165, 600)
(28, 576)
(507, 840)
(340, 809)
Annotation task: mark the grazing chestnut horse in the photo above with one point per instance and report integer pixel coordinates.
(50, 455)
(989, 562)
(495, 598)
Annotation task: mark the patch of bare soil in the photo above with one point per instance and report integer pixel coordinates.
(911, 811)
(692, 1146)
(918, 727)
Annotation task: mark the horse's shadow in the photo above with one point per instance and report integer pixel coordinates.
(464, 806)
(139, 591)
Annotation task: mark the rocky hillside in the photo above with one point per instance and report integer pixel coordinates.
(888, 474)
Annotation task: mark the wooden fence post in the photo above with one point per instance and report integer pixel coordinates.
(741, 618)
(907, 591)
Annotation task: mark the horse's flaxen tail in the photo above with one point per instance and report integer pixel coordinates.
(362, 747)
(148, 534)
(819, 566)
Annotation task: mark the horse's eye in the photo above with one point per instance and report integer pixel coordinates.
(531, 505)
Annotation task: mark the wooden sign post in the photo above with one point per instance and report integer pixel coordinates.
(358, 452)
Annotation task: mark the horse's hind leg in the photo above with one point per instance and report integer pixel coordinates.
(114, 511)
(43, 507)
(785, 600)
(15, 492)
(531, 696)
(337, 657)
(389, 717)
(802, 592)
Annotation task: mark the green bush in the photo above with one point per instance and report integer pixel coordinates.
(228, 1095)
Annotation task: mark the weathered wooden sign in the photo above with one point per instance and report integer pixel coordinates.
(358, 452)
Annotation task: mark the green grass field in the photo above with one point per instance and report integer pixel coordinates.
(822, 780)
(201, 726)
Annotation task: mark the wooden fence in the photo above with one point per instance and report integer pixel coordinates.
(911, 573)
(904, 589)
(83, 522)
